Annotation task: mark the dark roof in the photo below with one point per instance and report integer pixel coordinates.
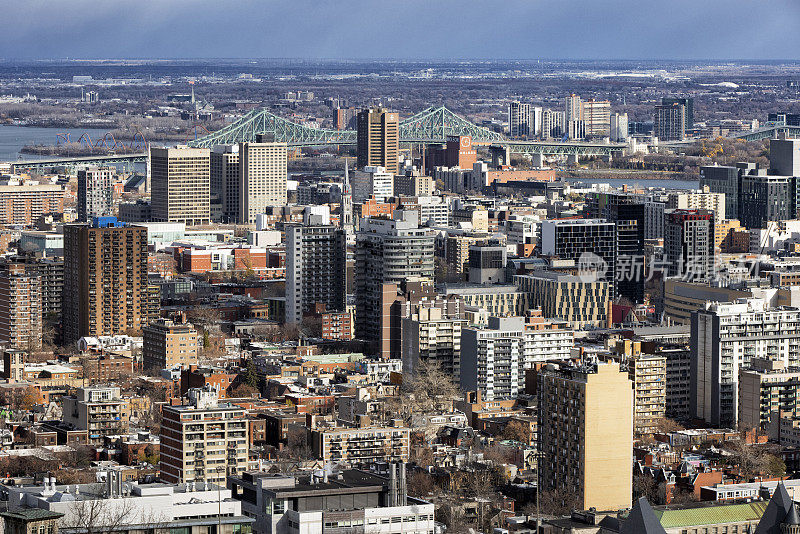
(30, 514)
(777, 509)
(792, 518)
(351, 481)
(610, 523)
(642, 520)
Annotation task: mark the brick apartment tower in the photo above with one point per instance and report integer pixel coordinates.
(378, 140)
(105, 279)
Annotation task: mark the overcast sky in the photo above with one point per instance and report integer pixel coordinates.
(525, 29)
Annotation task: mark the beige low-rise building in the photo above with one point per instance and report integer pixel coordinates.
(580, 301)
(699, 200)
(500, 300)
(362, 445)
(167, 344)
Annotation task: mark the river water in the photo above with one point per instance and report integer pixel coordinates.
(13, 138)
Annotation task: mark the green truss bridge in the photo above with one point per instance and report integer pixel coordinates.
(432, 125)
(768, 132)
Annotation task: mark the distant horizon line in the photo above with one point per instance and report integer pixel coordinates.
(396, 59)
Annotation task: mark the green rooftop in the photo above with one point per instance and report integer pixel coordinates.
(710, 515)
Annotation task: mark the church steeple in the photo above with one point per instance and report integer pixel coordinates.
(346, 205)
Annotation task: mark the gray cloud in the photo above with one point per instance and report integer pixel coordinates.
(529, 29)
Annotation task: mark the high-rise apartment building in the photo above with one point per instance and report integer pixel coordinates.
(648, 372)
(619, 127)
(654, 208)
(764, 199)
(431, 332)
(345, 118)
(20, 306)
(536, 120)
(597, 117)
(203, 441)
(262, 178)
(725, 337)
(495, 358)
(388, 252)
(669, 123)
(755, 196)
(688, 106)
(316, 265)
(105, 279)
(689, 244)
(95, 192)
(519, 119)
(553, 124)
(180, 179)
(573, 108)
(378, 139)
(346, 203)
(627, 212)
(167, 344)
(586, 434)
(456, 249)
(576, 129)
(51, 273)
(225, 185)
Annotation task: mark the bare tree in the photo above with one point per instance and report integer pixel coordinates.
(558, 502)
(297, 446)
(481, 487)
(420, 484)
(517, 431)
(244, 391)
(645, 486)
(665, 425)
(750, 459)
(430, 389)
(206, 317)
(311, 326)
(98, 515)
